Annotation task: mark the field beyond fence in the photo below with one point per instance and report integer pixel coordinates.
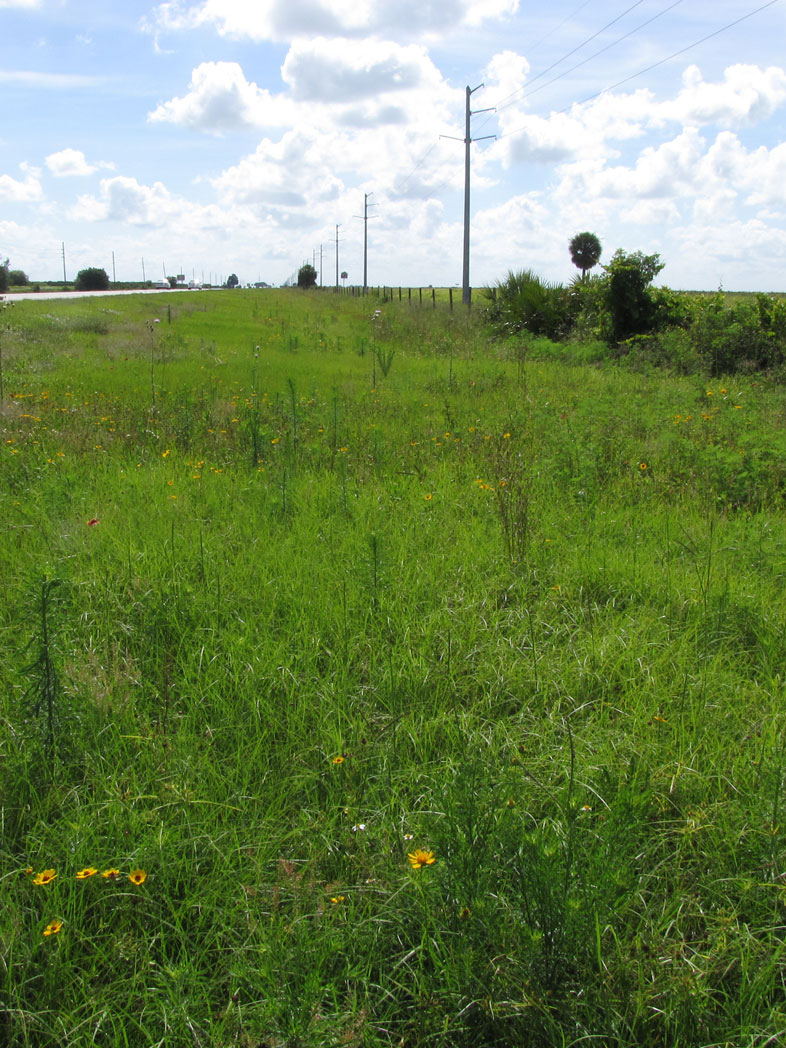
(368, 680)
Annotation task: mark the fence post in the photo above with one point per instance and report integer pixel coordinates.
(450, 292)
(420, 293)
(433, 298)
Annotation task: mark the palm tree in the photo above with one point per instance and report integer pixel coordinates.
(585, 249)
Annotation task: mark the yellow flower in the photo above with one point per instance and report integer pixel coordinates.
(137, 877)
(336, 899)
(53, 927)
(338, 760)
(428, 497)
(89, 871)
(45, 877)
(110, 875)
(419, 858)
(642, 466)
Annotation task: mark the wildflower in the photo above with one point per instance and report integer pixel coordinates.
(29, 871)
(358, 827)
(92, 522)
(275, 440)
(45, 877)
(409, 836)
(586, 807)
(338, 760)
(53, 927)
(428, 497)
(89, 871)
(642, 466)
(137, 877)
(110, 875)
(164, 453)
(336, 899)
(506, 436)
(465, 913)
(419, 858)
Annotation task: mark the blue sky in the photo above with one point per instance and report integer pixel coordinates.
(219, 136)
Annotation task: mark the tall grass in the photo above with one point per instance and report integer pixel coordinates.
(523, 615)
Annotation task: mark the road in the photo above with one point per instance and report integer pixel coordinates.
(38, 296)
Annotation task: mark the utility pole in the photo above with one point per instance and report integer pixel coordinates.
(365, 241)
(466, 290)
(336, 257)
(143, 272)
(62, 248)
(114, 275)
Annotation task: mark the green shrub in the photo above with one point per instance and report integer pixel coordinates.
(524, 302)
(92, 279)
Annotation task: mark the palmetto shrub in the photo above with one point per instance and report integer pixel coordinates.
(522, 301)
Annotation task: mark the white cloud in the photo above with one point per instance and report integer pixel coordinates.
(68, 162)
(348, 71)
(123, 199)
(26, 191)
(20, 3)
(220, 99)
(746, 96)
(48, 81)
(289, 19)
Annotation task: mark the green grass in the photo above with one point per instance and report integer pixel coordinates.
(522, 611)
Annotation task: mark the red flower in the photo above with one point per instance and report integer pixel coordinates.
(93, 522)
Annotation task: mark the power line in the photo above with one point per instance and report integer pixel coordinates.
(608, 47)
(508, 98)
(676, 54)
(654, 65)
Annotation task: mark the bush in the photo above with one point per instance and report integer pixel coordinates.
(16, 278)
(524, 302)
(629, 306)
(92, 280)
(3, 276)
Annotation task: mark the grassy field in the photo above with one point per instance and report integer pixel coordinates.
(368, 682)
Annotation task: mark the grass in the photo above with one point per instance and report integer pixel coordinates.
(275, 620)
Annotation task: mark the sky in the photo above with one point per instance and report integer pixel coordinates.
(209, 137)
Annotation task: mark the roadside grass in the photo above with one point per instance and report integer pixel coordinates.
(275, 621)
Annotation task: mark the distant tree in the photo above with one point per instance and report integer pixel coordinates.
(232, 280)
(3, 276)
(16, 278)
(306, 276)
(585, 249)
(92, 279)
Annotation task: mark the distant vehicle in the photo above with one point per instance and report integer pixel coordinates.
(194, 285)
(162, 284)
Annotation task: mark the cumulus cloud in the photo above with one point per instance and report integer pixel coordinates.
(220, 99)
(349, 71)
(27, 190)
(68, 162)
(123, 199)
(261, 20)
(746, 96)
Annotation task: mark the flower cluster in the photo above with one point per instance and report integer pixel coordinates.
(136, 876)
